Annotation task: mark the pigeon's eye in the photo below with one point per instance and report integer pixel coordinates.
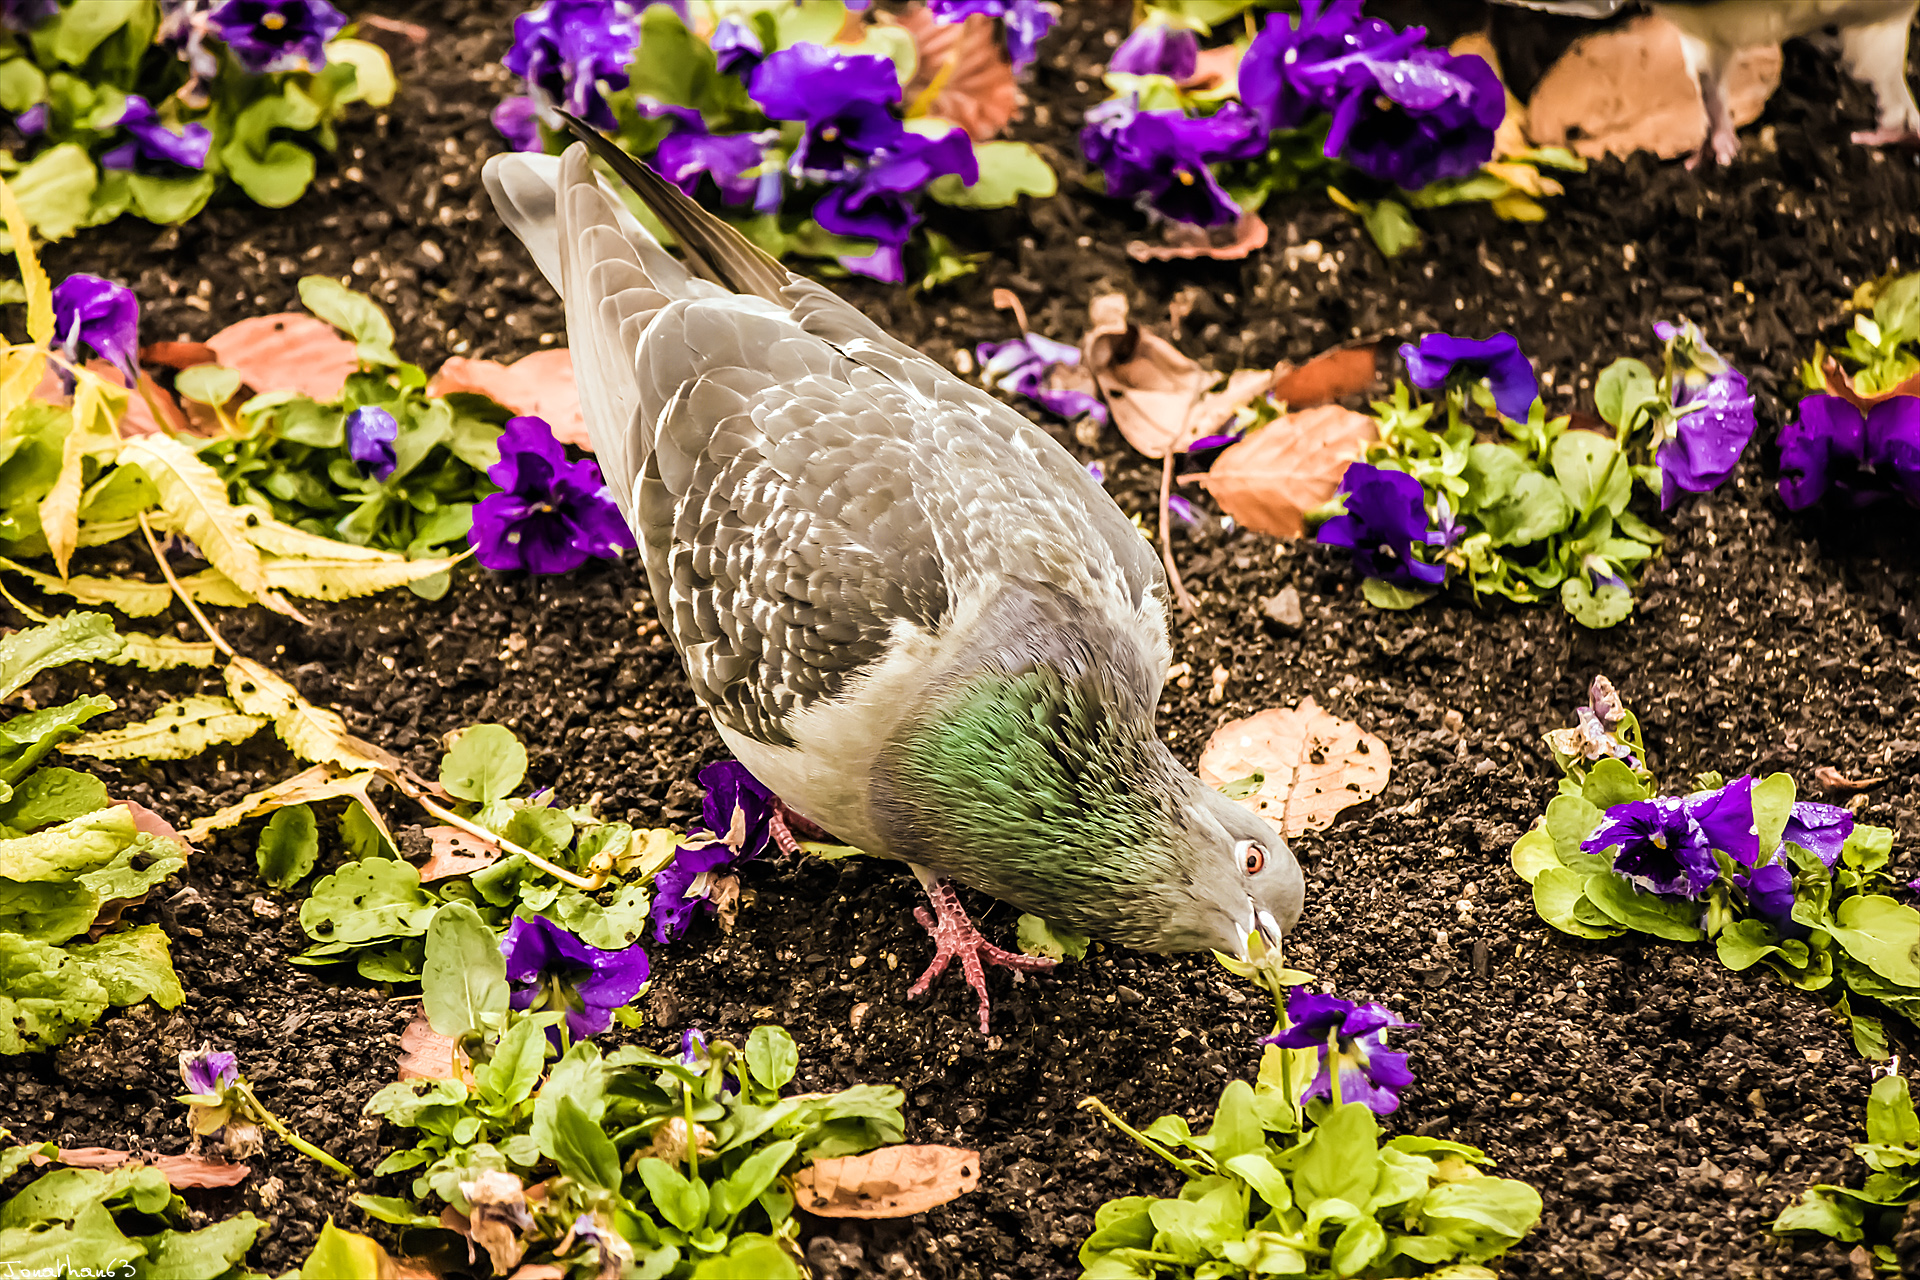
(1253, 857)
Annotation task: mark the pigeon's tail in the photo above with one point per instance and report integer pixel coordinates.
(1595, 9)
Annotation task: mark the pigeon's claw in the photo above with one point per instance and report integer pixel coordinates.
(954, 935)
(788, 827)
(1899, 135)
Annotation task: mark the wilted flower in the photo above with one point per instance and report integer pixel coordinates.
(1385, 516)
(1370, 1073)
(736, 48)
(613, 1256)
(842, 97)
(877, 201)
(1026, 21)
(1162, 157)
(371, 436)
(276, 35)
(208, 1072)
(1442, 359)
(517, 119)
(570, 52)
(1020, 366)
(729, 158)
(1157, 49)
(101, 314)
(551, 514)
(1593, 735)
(1832, 445)
(551, 969)
(737, 817)
(155, 148)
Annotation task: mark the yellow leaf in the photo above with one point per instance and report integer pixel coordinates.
(315, 734)
(21, 368)
(177, 731)
(32, 274)
(196, 497)
(60, 509)
(1516, 207)
(161, 653)
(317, 783)
(278, 539)
(340, 578)
(94, 533)
(133, 597)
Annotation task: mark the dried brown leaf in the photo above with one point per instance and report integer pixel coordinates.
(540, 385)
(1627, 89)
(1332, 375)
(145, 819)
(425, 1054)
(1216, 68)
(539, 1271)
(287, 352)
(321, 782)
(181, 1171)
(1184, 240)
(1840, 384)
(892, 1182)
(963, 74)
(1159, 397)
(1831, 779)
(1270, 480)
(1311, 765)
(456, 853)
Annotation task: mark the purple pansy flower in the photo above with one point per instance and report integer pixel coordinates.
(842, 97)
(1026, 22)
(736, 49)
(1821, 829)
(571, 51)
(737, 817)
(551, 969)
(551, 514)
(1163, 157)
(276, 35)
(155, 148)
(371, 435)
(1661, 849)
(728, 158)
(1020, 366)
(33, 121)
(27, 15)
(1385, 516)
(1370, 1073)
(1770, 894)
(518, 121)
(1708, 440)
(1832, 445)
(1157, 49)
(877, 202)
(1442, 358)
(1267, 78)
(101, 314)
(208, 1071)
(1418, 118)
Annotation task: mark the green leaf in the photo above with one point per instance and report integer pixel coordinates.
(1611, 782)
(52, 795)
(743, 1186)
(179, 730)
(1675, 920)
(1363, 1240)
(487, 763)
(1746, 943)
(749, 1257)
(464, 983)
(1038, 937)
(1595, 610)
(169, 201)
(208, 384)
(1342, 1160)
(82, 844)
(518, 1062)
(89, 1233)
(1590, 471)
(47, 911)
(680, 1200)
(1868, 848)
(772, 1058)
(1625, 390)
(1533, 853)
(1890, 1116)
(273, 171)
(1382, 594)
(26, 740)
(373, 78)
(75, 637)
(45, 996)
(1819, 1212)
(1236, 1127)
(354, 314)
(1482, 1217)
(1882, 934)
(1008, 170)
(21, 86)
(338, 1255)
(1772, 806)
(55, 191)
(1392, 227)
(133, 966)
(1557, 896)
(580, 1075)
(582, 1151)
(289, 846)
(1513, 501)
(366, 901)
(1570, 820)
(195, 1255)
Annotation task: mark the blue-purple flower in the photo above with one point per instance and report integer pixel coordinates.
(1821, 829)
(730, 159)
(1442, 359)
(1770, 896)
(276, 35)
(736, 49)
(1021, 365)
(27, 15)
(550, 969)
(518, 121)
(1323, 32)
(1157, 49)
(101, 315)
(154, 148)
(1386, 515)
(1710, 436)
(551, 514)
(844, 98)
(33, 121)
(1352, 1039)
(735, 826)
(371, 436)
(1833, 447)
(1163, 157)
(1026, 22)
(208, 1072)
(1661, 848)
(877, 202)
(571, 52)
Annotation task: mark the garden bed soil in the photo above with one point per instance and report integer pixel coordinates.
(1666, 1108)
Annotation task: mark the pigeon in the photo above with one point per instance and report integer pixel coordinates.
(1873, 45)
(911, 613)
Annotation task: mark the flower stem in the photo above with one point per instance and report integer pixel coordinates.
(193, 607)
(693, 1134)
(419, 795)
(1333, 1066)
(291, 1138)
(1106, 1113)
(1180, 596)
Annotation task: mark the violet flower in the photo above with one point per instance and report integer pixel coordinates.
(517, 120)
(1157, 49)
(276, 35)
(371, 436)
(1418, 118)
(1020, 367)
(1163, 157)
(1370, 1073)
(736, 49)
(571, 52)
(1385, 516)
(1770, 896)
(1666, 845)
(1026, 22)
(735, 826)
(208, 1072)
(550, 969)
(877, 201)
(1833, 446)
(1708, 440)
(730, 159)
(101, 314)
(1322, 33)
(1821, 829)
(1442, 360)
(33, 121)
(27, 15)
(155, 148)
(551, 514)
(842, 97)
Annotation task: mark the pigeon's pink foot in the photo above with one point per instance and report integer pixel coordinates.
(788, 828)
(1897, 136)
(954, 935)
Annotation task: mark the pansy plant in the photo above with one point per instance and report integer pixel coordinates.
(1796, 885)
(1854, 442)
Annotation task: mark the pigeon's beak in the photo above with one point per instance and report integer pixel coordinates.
(1269, 928)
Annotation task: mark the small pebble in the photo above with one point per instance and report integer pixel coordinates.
(1129, 996)
(1284, 608)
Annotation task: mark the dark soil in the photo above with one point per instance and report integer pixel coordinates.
(1666, 1108)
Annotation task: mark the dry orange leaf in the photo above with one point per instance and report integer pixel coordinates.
(892, 1182)
(1625, 90)
(456, 853)
(1184, 240)
(964, 67)
(1159, 397)
(145, 819)
(1331, 375)
(1840, 384)
(181, 1171)
(540, 385)
(425, 1054)
(290, 351)
(1310, 765)
(1270, 480)
(1216, 68)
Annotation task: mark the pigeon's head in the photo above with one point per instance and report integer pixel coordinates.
(1242, 877)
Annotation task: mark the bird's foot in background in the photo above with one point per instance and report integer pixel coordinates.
(789, 828)
(954, 935)
(1901, 135)
(1719, 149)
